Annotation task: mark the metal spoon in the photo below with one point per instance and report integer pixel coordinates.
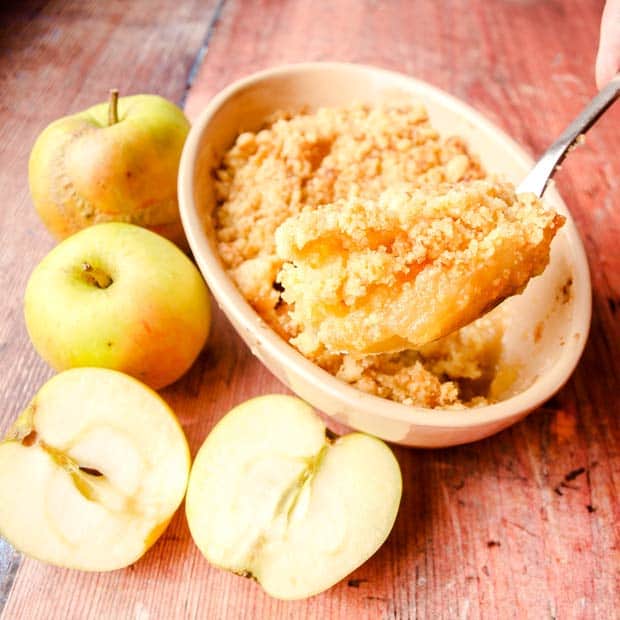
(538, 177)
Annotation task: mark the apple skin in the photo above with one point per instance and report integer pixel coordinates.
(83, 171)
(151, 321)
(92, 471)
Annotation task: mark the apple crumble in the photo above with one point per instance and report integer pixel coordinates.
(366, 276)
(302, 162)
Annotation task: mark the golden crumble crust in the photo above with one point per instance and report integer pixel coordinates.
(304, 160)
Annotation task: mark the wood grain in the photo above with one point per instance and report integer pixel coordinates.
(521, 525)
(57, 58)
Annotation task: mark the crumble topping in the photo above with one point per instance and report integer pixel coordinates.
(299, 163)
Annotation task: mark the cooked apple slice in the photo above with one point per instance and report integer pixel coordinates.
(271, 497)
(381, 276)
(92, 471)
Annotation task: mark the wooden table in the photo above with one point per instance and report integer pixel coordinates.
(525, 524)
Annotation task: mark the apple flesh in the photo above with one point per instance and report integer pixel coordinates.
(118, 296)
(116, 161)
(271, 497)
(92, 471)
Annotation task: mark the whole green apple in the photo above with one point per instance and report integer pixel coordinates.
(118, 296)
(117, 161)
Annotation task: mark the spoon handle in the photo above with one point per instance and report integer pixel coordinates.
(538, 177)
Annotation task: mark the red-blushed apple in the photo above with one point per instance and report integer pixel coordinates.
(118, 296)
(92, 471)
(270, 496)
(116, 161)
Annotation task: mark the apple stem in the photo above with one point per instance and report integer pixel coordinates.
(94, 276)
(113, 107)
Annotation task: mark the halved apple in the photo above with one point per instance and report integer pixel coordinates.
(92, 471)
(271, 497)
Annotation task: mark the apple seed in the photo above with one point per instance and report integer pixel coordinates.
(90, 471)
(30, 439)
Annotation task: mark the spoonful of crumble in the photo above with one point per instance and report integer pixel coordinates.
(417, 264)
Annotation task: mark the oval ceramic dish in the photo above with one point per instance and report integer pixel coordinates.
(548, 323)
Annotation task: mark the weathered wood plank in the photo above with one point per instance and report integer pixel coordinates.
(499, 530)
(57, 58)
(522, 525)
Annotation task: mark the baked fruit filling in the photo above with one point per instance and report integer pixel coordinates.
(341, 173)
(380, 276)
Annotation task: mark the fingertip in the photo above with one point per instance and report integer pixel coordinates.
(608, 56)
(604, 71)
